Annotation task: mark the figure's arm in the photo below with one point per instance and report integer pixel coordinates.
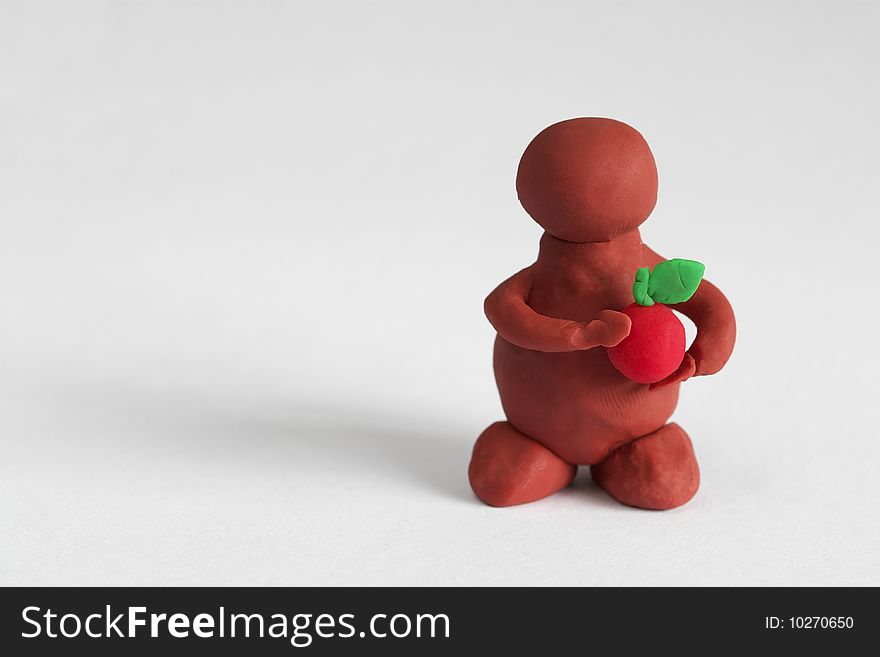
(516, 322)
(716, 328)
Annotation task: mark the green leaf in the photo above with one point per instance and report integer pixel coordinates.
(675, 281)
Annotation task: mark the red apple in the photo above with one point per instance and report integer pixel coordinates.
(654, 347)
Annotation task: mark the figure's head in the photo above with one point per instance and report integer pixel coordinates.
(588, 180)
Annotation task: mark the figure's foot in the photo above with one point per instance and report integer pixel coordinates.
(657, 471)
(508, 468)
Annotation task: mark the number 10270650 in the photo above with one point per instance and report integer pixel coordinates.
(809, 622)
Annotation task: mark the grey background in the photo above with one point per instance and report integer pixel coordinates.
(243, 252)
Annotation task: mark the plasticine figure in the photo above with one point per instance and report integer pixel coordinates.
(590, 183)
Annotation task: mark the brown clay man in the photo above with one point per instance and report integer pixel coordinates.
(590, 183)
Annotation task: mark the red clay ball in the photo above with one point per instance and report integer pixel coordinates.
(654, 347)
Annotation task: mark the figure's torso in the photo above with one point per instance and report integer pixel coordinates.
(576, 403)
(575, 281)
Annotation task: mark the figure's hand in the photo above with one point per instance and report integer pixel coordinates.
(608, 329)
(705, 362)
(686, 370)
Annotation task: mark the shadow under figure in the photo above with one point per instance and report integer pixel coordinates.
(590, 183)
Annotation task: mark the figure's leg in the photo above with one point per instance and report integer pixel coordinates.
(508, 468)
(657, 471)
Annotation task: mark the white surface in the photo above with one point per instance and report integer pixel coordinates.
(243, 253)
